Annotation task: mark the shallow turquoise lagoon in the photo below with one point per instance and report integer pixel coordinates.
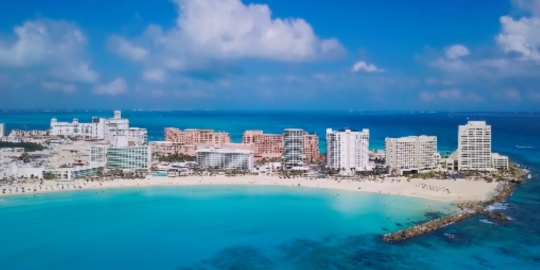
(208, 227)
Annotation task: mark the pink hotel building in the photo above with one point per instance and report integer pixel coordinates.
(263, 145)
(197, 136)
(271, 145)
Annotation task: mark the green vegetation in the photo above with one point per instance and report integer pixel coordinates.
(28, 146)
(48, 176)
(176, 158)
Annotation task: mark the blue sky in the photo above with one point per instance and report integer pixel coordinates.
(275, 54)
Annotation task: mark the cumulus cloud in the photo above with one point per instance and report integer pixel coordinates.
(532, 6)
(247, 31)
(209, 30)
(450, 94)
(456, 51)
(116, 87)
(57, 86)
(126, 49)
(452, 59)
(55, 46)
(520, 36)
(363, 66)
(155, 75)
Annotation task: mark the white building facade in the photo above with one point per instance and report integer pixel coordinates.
(98, 155)
(129, 158)
(348, 150)
(225, 159)
(116, 130)
(474, 146)
(293, 147)
(500, 162)
(413, 153)
(2, 130)
(71, 174)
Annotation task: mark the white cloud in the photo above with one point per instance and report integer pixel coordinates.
(363, 66)
(534, 95)
(116, 87)
(532, 6)
(126, 49)
(57, 86)
(155, 75)
(426, 96)
(520, 36)
(456, 51)
(450, 94)
(226, 29)
(55, 46)
(511, 95)
(77, 72)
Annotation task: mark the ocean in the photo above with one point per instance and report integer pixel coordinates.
(271, 227)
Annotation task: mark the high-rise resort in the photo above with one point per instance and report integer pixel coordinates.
(424, 181)
(108, 148)
(269, 134)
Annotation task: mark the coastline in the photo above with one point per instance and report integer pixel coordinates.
(432, 189)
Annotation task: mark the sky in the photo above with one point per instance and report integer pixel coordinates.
(460, 55)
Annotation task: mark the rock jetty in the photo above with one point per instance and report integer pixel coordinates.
(467, 210)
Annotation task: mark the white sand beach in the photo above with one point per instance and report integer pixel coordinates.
(432, 189)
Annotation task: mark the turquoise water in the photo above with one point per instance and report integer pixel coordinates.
(250, 228)
(173, 227)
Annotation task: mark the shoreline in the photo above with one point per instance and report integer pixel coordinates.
(453, 191)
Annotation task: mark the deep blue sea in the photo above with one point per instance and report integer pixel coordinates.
(271, 227)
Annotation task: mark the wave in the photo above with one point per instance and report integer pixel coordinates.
(525, 147)
(486, 221)
(497, 206)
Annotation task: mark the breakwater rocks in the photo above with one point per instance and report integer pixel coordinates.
(467, 210)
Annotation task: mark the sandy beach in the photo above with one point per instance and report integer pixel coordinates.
(432, 189)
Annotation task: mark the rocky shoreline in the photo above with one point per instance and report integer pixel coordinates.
(466, 210)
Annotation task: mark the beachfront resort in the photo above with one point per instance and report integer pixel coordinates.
(107, 152)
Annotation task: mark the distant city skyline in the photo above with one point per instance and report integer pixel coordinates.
(388, 55)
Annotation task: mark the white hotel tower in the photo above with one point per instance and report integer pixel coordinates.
(347, 150)
(225, 159)
(411, 154)
(474, 146)
(116, 130)
(293, 147)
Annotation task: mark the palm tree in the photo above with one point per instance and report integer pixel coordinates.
(25, 157)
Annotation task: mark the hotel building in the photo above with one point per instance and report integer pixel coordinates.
(311, 147)
(499, 162)
(129, 158)
(116, 130)
(165, 148)
(474, 146)
(265, 145)
(197, 136)
(271, 145)
(2, 130)
(346, 149)
(69, 174)
(293, 147)
(98, 155)
(412, 154)
(225, 159)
